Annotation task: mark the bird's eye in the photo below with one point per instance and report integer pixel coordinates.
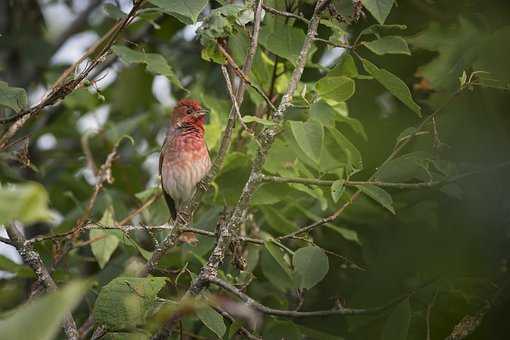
(189, 111)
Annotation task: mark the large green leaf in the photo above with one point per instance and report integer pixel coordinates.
(379, 195)
(283, 40)
(355, 161)
(328, 114)
(10, 266)
(156, 63)
(104, 242)
(406, 167)
(26, 203)
(388, 45)
(309, 136)
(186, 11)
(337, 190)
(278, 255)
(312, 265)
(125, 302)
(380, 9)
(273, 272)
(42, 318)
(212, 319)
(393, 84)
(336, 88)
(345, 67)
(397, 324)
(12, 97)
(277, 220)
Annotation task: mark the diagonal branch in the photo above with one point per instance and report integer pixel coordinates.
(243, 76)
(64, 86)
(226, 140)
(228, 230)
(235, 104)
(33, 259)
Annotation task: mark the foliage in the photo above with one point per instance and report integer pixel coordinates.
(392, 155)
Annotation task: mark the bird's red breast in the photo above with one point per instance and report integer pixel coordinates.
(184, 159)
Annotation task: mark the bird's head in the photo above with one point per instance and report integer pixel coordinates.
(188, 111)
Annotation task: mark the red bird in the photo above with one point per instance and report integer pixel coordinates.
(184, 158)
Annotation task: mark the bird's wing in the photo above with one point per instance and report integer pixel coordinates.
(169, 200)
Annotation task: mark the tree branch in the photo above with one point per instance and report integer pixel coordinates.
(33, 259)
(226, 140)
(243, 76)
(397, 185)
(275, 11)
(400, 145)
(339, 310)
(63, 87)
(228, 230)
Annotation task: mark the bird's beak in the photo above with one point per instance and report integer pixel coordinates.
(201, 112)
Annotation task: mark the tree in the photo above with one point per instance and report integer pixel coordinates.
(358, 189)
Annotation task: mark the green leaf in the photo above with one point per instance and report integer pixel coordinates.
(283, 40)
(397, 325)
(404, 168)
(273, 272)
(125, 336)
(388, 45)
(41, 319)
(10, 266)
(393, 84)
(279, 330)
(337, 190)
(186, 11)
(380, 9)
(113, 11)
(104, 242)
(336, 88)
(254, 119)
(125, 301)
(353, 154)
(156, 63)
(328, 114)
(212, 319)
(12, 97)
(312, 265)
(276, 220)
(378, 194)
(345, 67)
(309, 136)
(26, 203)
(278, 255)
(377, 29)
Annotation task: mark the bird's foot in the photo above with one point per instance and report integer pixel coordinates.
(203, 185)
(182, 217)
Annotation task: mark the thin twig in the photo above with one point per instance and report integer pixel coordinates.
(285, 14)
(228, 230)
(226, 141)
(33, 259)
(63, 87)
(138, 210)
(398, 185)
(297, 314)
(235, 104)
(243, 75)
(400, 145)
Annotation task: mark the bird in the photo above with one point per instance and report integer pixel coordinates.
(184, 159)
